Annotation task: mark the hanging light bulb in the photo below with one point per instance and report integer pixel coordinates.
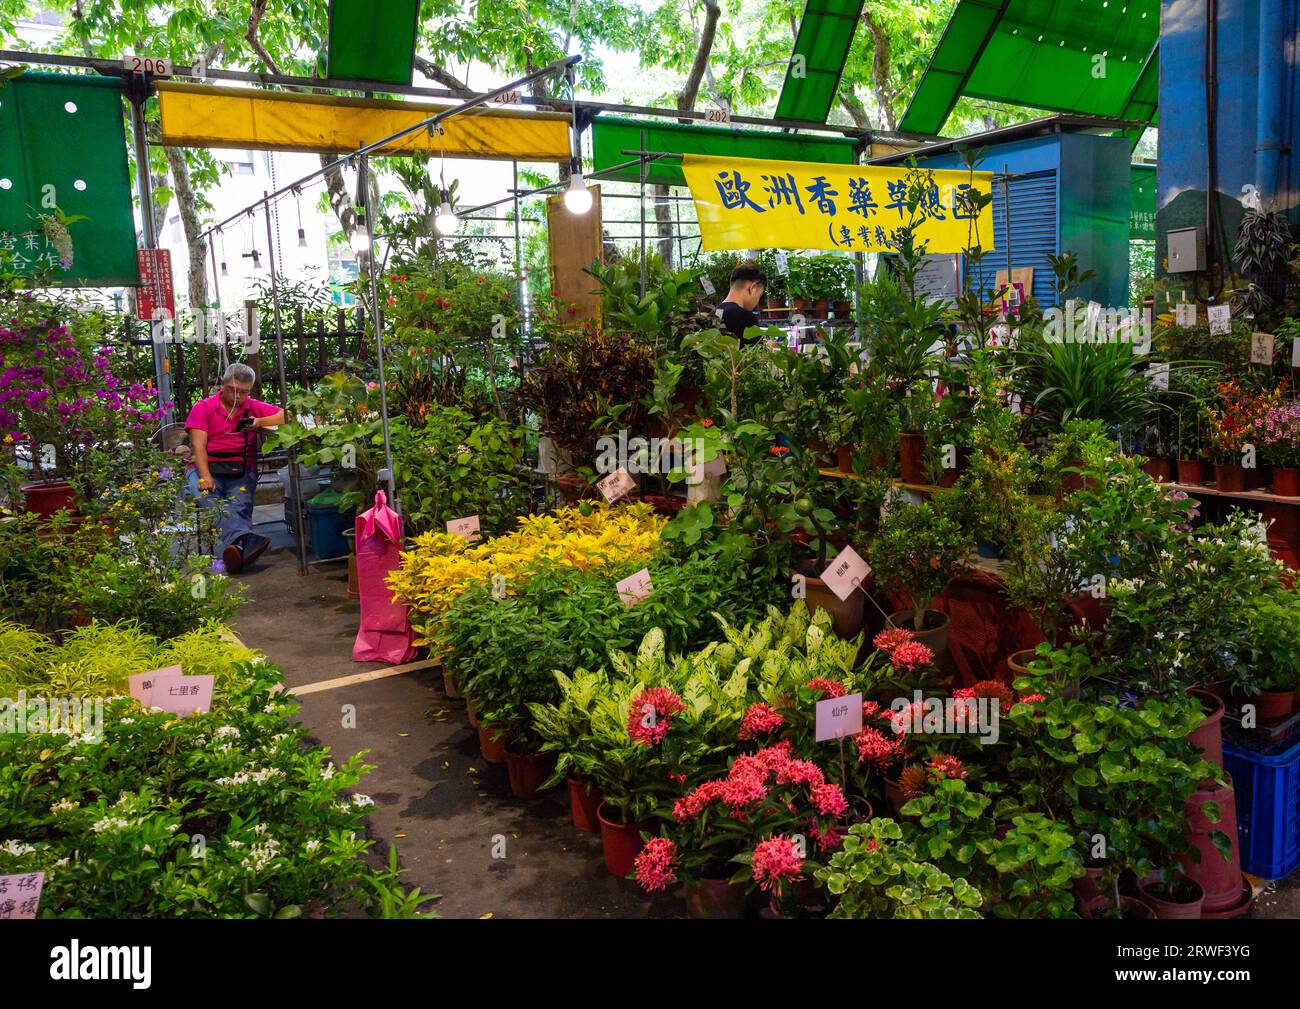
(224, 271)
(577, 198)
(302, 238)
(360, 241)
(302, 234)
(446, 222)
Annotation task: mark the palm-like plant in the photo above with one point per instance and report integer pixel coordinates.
(1059, 382)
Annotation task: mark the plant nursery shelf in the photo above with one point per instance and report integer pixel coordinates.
(919, 488)
(1247, 495)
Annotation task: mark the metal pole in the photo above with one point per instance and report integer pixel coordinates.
(221, 315)
(144, 186)
(641, 208)
(377, 320)
(284, 396)
(1006, 214)
(519, 262)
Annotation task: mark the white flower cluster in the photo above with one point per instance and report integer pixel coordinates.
(111, 823)
(64, 806)
(16, 848)
(260, 855)
(327, 772)
(1124, 586)
(226, 730)
(362, 801)
(246, 777)
(312, 845)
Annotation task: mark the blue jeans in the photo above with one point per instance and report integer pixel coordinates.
(236, 526)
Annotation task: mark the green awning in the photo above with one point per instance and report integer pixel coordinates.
(372, 40)
(612, 135)
(820, 49)
(64, 146)
(1142, 209)
(1087, 57)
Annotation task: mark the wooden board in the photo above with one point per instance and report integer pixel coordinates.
(574, 242)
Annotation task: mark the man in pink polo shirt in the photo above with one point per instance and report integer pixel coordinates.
(223, 439)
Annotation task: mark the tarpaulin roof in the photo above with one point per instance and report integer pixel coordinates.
(372, 40)
(1090, 57)
(246, 119)
(820, 48)
(611, 135)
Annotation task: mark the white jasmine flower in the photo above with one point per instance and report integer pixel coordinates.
(362, 800)
(110, 823)
(226, 730)
(327, 771)
(312, 845)
(64, 806)
(16, 848)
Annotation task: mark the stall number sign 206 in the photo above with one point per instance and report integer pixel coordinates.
(155, 65)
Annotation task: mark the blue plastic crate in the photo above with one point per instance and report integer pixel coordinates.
(1268, 809)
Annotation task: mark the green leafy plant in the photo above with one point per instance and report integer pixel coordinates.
(917, 552)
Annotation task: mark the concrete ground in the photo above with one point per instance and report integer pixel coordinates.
(437, 800)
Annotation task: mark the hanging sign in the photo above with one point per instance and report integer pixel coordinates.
(1220, 319)
(744, 203)
(782, 263)
(1261, 348)
(156, 66)
(155, 297)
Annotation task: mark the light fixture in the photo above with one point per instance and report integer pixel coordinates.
(446, 222)
(224, 271)
(256, 257)
(360, 241)
(577, 198)
(302, 234)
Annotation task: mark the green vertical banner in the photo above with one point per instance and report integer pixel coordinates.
(63, 144)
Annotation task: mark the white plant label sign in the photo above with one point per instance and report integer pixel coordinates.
(838, 717)
(846, 572)
(635, 587)
(1185, 313)
(616, 484)
(1220, 319)
(1261, 348)
(1159, 374)
(467, 527)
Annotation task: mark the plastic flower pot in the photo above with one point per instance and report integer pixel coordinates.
(48, 498)
(842, 309)
(1191, 471)
(620, 841)
(1221, 880)
(715, 898)
(1161, 469)
(844, 458)
(1181, 900)
(1286, 481)
(1208, 736)
(894, 793)
(583, 800)
(1133, 908)
(527, 772)
(451, 682)
(1229, 477)
(934, 635)
(492, 742)
(1272, 705)
(911, 456)
(1018, 662)
(354, 584)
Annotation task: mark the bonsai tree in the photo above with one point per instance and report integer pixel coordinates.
(917, 552)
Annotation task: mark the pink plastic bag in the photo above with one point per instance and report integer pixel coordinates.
(385, 634)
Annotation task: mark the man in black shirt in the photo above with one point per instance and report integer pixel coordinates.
(736, 311)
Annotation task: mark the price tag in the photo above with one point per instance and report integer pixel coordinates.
(154, 65)
(616, 484)
(635, 587)
(838, 717)
(545, 455)
(182, 695)
(1220, 319)
(792, 339)
(506, 98)
(707, 284)
(782, 263)
(1261, 348)
(20, 895)
(847, 572)
(721, 114)
(1295, 352)
(1015, 404)
(1185, 313)
(141, 684)
(466, 527)
(1159, 375)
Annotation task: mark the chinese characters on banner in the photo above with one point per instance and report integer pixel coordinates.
(155, 297)
(20, 895)
(744, 203)
(29, 252)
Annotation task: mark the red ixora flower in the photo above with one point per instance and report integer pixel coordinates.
(1032, 698)
(878, 750)
(688, 807)
(649, 719)
(776, 861)
(654, 865)
(443, 303)
(706, 422)
(890, 638)
(912, 655)
(779, 450)
(828, 688)
(759, 720)
(800, 772)
(829, 799)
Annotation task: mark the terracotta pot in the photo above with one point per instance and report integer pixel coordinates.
(527, 772)
(1286, 481)
(1272, 706)
(1161, 469)
(492, 747)
(1191, 471)
(1018, 662)
(842, 309)
(583, 800)
(935, 634)
(1221, 880)
(48, 498)
(848, 615)
(472, 713)
(800, 304)
(1093, 902)
(621, 842)
(1258, 477)
(1165, 908)
(820, 307)
(860, 810)
(664, 504)
(715, 898)
(911, 456)
(451, 683)
(1229, 477)
(1071, 482)
(844, 458)
(1133, 908)
(1208, 736)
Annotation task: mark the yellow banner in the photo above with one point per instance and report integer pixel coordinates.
(744, 203)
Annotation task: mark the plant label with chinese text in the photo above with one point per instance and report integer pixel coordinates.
(635, 587)
(838, 717)
(1261, 348)
(846, 572)
(1220, 319)
(466, 527)
(616, 484)
(20, 895)
(182, 695)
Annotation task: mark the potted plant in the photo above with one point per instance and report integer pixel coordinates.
(1278, 434)
(1232, 429)
(917, 552)
(1270, 673)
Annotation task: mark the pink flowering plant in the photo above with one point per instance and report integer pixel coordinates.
(1278, 435)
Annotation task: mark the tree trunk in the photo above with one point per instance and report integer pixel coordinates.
(663, 211)
(186, 200)
(880, 55)
(853, 106)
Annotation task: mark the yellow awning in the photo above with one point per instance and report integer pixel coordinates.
(195, 115)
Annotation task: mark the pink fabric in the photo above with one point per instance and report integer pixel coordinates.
(385, 634)
(210, 416)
